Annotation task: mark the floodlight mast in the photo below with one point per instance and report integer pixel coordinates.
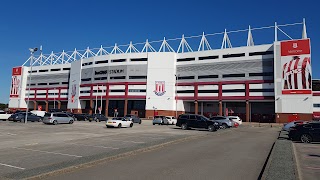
(32, 51)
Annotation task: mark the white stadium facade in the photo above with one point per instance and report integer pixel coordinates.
(267, 83)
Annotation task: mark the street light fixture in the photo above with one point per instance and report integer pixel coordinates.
(32, 51)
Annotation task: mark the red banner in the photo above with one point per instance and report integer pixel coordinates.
(296, 67)
(295, 47)
(15, 82)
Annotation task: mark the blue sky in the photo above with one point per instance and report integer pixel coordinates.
(64, 25)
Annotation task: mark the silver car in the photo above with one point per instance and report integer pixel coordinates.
(57, 118)
(160, 120)
(224, 122)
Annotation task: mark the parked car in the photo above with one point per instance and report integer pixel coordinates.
(305, 133)
(3, 115)
(160, 120)
(57, 118)
(81, 117)
(236, 119)
(171, 120)
(133, 118)
(186, 121)
(223, 121)
(119, 122)
(287, 126)
(38, 113)
(97, 117)
(21, 116)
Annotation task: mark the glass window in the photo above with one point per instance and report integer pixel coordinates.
(193, 117)
(183, 116)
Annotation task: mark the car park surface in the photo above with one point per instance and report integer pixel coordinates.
(24, 153)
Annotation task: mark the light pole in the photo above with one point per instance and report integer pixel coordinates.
(176, 93)
(32, 51)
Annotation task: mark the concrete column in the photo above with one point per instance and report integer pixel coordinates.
(201, 108)
(34, 105)
(47, 106)
(59, 104)
(247, 111)
(196, 107)
(220, 108)
(125, 107)
(107, 107)
(91, 106)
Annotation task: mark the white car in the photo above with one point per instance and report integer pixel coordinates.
(119, 122)
(236, 119)
(4, 116)
(171, 120)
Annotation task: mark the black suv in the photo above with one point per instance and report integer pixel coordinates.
(186, 121)
(306, 133)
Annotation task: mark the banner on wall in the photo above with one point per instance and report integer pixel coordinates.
(296, 67)
(15, 82)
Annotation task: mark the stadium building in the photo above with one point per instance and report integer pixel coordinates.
(269, 82)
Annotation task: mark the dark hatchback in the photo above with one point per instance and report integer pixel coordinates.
(305, 133)
(97, 117)
(22, 115)
(81, 117)
(187, 121)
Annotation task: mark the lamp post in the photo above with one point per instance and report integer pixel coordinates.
(32, 51)
(176, 75)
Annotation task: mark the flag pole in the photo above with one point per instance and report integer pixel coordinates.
(101, 101)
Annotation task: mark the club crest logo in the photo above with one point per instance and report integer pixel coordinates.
(295, 45)
(160, 88)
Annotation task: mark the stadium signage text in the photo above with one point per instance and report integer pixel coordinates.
(113, 71)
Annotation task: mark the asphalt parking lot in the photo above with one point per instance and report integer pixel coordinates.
(27, 150)
(307, 160)
(33, 148)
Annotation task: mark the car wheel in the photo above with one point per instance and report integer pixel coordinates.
(224, 126)
(154, 124)
(89, 120)
(55, 122)
(98, 120)
(131, 124)
(140, 122)
(71, 122)
(306, 138)
(184, 126)
(108, 126)
(211, 128)
(120, 125)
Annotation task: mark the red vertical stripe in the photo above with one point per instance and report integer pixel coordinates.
(283, 70)
(296, 73)
(289, 76)
(162, 87)
(303, 72)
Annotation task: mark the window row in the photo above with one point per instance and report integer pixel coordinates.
(49, 70)
(260, 53)
(225, 76)
(113, 90)
(45, 84)
(114, 77)
(225, 91)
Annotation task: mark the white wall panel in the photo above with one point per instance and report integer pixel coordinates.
(234, 94)
(233, 86)
(208, 87)
(261, 86)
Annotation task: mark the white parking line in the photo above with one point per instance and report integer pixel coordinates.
(47, 152)
(126, 141)
(12, 166)
(93, 146)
